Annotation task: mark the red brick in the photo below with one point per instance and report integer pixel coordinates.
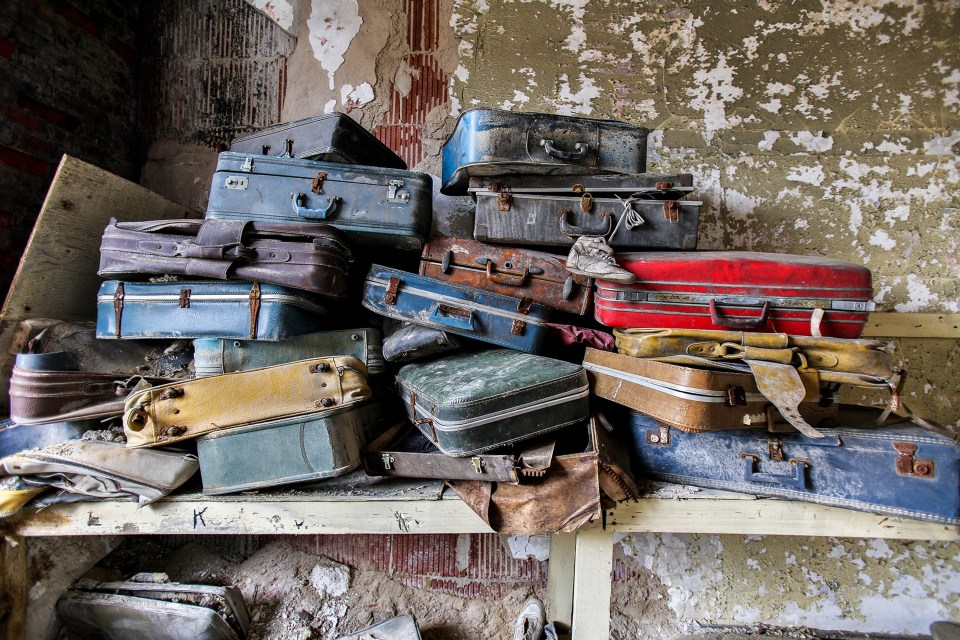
(7, 48)
(54, 115)
(82, 20)
(23, 118)
(24, 162)
(122, 50)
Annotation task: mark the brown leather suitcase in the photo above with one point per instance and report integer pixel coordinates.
(540, 277)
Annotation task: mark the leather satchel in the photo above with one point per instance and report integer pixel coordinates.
(311, 257)
(184, 410)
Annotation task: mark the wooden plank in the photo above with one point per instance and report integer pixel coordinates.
(15, 587)
(57, 275)
(592, 585)
(767, 517)
(563, 554)
(238, 516)
(912, 325)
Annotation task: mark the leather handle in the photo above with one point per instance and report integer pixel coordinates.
(797, 481)
(580, 150)
(454, 317)
(506, 280)
(739, 323)
(313, 214)
(572, 231)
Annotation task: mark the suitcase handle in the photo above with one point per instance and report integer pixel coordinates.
(580, 150)
(797, 481)
(507, 281)
(313, 214)
(572, 231)
(739, 323)
(455, 317)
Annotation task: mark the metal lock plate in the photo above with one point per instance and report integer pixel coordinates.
(396, 193)
(387, 460)
(235, 182)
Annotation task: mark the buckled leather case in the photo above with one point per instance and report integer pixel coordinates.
(487, 142)
(467, 311)
(900, 470)
(331, 137)
(472, 402)
(374, 207)
(510, 271)
(312, 257)
(739, 290)
(153, 611)
(170, 413)
(285, 451)
(216, 356)
(195, 309)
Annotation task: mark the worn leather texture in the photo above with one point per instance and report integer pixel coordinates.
(415, 342)
(472, 402)
(690, 398)
(216, 356)
(310, 257)
(900, 471)
(511, 271)
(487, 142)
(374, 207)
(286, 451)
(467, 311)
(184, 410)
(566, 498)
(741, 290)
(103, 469)
(557, 221)
(205, 309)
(330, 137)
(397, 628)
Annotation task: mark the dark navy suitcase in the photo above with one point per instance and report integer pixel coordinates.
(375, 207)
(193, 309)
(331, 137)
(517, 323)
(900, 470)
(488, 142)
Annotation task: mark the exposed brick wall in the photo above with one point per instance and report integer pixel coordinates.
(68, 84)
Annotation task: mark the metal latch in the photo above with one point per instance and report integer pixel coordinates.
(659, 438)
(664, 186)
(852, 305)
(184, 298)
(478, 464)
(736, 396)
(118, 296)
(247, 165)
(235, 182)
(907, 465)
(503, 201)
(387, 460)
(631, 296)
(671, 211)
(395, 192)
(775, 448)
(316, 185)
(390, 297)
(518, 327)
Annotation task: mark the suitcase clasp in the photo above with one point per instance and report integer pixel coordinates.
(388, 461)
(316, 185)
(503, 201)
(184, 298)
(390, 296)
(247, 165)
(671, 211)
(395, 192)
(907, 465)
(478, 464)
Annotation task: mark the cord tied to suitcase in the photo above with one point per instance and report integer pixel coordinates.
(629, 216)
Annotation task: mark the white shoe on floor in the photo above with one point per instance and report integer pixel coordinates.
(529, 624)
(591, 256)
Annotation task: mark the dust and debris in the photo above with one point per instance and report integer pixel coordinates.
(113, 433)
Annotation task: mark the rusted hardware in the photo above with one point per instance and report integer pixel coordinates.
(532, 473)
(320, 367)
(390, 297)
(775, 448)
(586, 202)
(659, 438)
(254, 309)
(907, 465)
(455, 311)
(316, 185)
(664, 186)
(671, 211)
(184, 298)
(419, 421)
(478, 464)
(171, 392)
(328, 402)
(579, 188)
(604, 214)
(736, 396)
(118, 308)
(519, 326)
(387, 461)
(524, 305)
(173, 431)
(503, 201)
(137, 421)
(265, 150)
(287, 148)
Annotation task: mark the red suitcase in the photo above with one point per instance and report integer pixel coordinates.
(742, 290)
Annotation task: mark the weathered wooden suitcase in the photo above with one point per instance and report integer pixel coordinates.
(901, 470)
(488, 142)
(195, 309)
(653, 186)
(272, 453)
(633, 222)
(542, 277)
(216, 356)
(472, 402)
(169, 413)
(740, 290)
(490, 317)
(153, 610)
(311, 257)
(692, 398)
(331, 137)
(375, 207)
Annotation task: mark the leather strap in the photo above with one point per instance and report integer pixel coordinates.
(781, 385)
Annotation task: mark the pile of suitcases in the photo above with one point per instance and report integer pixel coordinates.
(722, 370)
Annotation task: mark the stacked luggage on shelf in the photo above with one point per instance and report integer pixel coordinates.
(491, 365)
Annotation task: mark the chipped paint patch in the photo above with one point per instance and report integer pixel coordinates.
(333, 25)
(280, 11)
(351, 97)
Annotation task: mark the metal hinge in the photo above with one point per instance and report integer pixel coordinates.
(907, 465)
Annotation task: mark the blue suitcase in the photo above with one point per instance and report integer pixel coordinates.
(388, 208)
(900, 470)
(488, 142)
(194, 309)
(517, 323)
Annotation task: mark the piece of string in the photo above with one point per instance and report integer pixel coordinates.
(629, 214)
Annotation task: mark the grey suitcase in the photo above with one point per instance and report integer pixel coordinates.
(386, 208)
(664, 186)
(331, 137)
